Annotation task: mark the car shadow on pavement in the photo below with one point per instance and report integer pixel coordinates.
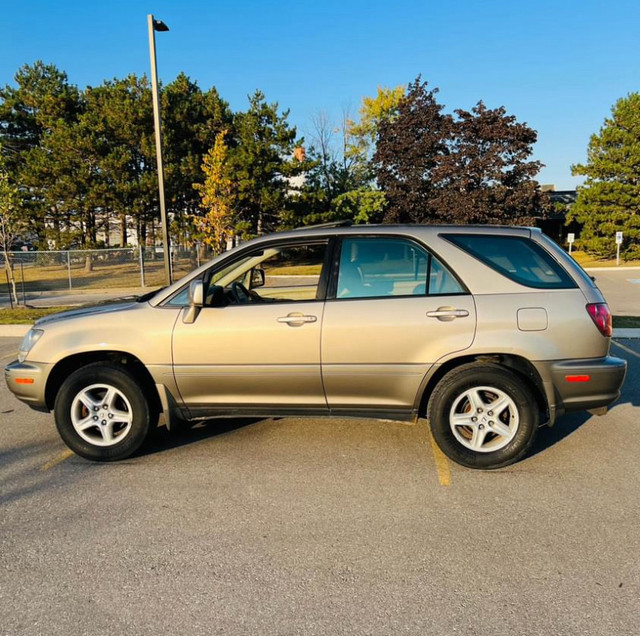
(163, 440)
(567, 424)
(563, 428)
(22, 474)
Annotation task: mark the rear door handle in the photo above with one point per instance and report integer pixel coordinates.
(447, 313)
(296, 320)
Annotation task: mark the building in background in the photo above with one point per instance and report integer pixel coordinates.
(554, 225)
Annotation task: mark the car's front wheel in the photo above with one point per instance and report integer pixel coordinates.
(101, 412)
(483, 416)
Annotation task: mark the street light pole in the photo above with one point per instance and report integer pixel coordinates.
(158, 25)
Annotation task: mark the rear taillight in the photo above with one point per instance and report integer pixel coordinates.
(601, 317)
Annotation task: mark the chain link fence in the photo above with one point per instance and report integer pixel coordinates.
(51, 271)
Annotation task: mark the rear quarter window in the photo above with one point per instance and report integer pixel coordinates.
(519, 259)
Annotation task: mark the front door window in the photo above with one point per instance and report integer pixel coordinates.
(286, 274)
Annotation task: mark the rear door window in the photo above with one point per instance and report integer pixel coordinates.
(518, 258)
(375, 267)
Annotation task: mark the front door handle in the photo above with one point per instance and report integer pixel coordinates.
(447, 313)
(296, 320)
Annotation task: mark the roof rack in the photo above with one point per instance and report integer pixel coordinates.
(342, 223)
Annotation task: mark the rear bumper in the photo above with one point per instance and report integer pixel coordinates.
(581, 385)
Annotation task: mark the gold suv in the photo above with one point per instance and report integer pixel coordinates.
(489, 332)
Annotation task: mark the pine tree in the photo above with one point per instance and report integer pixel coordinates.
(118, 121)
(262, 161)
(41, 100)
(609, 200)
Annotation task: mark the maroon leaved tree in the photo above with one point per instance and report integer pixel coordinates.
(474, 168)
(409, 150)
(488, 176)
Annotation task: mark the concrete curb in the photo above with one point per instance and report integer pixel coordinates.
(14, 331)
(611, 269)
(626, 333)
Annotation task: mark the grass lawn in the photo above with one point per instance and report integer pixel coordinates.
(586, 260)
(293, 270)
(626, 322)
(26, 315)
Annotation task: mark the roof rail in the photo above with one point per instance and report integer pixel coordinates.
(341, 223)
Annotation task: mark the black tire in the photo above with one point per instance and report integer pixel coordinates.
(126, 436)
(452, 403)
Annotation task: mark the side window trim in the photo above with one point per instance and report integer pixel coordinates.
(324, 284)
(335, 251)
(427, 289)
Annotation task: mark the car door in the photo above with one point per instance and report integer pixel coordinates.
(261, 354)
(393, 311)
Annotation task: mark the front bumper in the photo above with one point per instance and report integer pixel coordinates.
(581, 385)
(27, 381)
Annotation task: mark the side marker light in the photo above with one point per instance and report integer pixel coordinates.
(577, 378)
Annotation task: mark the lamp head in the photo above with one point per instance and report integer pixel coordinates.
(159, 25)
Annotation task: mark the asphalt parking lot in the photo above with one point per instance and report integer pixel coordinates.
(621, 288)
(306, 526)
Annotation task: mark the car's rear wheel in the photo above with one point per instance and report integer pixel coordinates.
(101, 412)
(483, 416)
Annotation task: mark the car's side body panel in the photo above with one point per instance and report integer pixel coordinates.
(253, 355)
(135, 328)
(506, 327)
(377, 351)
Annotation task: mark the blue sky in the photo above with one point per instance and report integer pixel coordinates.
(559, 66)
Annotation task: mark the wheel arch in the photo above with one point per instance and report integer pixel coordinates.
(517, 364)
(65, 367)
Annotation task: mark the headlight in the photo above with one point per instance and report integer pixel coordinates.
(29, 340)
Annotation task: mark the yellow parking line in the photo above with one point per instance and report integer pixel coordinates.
(442, 463)
(9, 355)
(58, 459)
(631, 351)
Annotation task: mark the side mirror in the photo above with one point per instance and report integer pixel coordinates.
(196, 293)
(196, 301)
(257, 278)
